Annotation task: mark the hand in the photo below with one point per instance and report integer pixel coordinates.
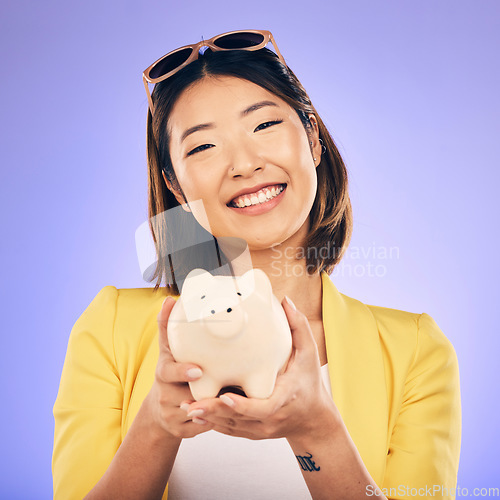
(170, 390)
(299, 405)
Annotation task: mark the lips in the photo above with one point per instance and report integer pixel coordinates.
(253, 190)
(261, 206)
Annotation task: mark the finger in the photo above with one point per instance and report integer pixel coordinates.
(235, 432)
(185, 405)
(214, 410)
(250, 430)
(192, 428)
(169, 371)
(172, 398)
(219, 416)
(162, 318)
(302, 337)
(233, 424)
(257, 409)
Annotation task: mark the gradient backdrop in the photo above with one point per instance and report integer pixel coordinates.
(409, 90)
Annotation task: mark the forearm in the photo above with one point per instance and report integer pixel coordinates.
(141, 467)
(331, 464)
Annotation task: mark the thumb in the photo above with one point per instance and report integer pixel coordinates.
(302, 337)
(163, 316)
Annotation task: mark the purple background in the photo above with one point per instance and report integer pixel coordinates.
(408, 89)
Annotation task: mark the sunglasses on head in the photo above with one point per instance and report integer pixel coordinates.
(175, 60)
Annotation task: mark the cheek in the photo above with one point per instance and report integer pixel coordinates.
(199, 185)
(188, 181)
(293, 145)
(201, 194)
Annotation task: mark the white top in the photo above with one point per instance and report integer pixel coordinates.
(214, 466)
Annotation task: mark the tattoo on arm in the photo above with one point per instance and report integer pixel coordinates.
(306, 462)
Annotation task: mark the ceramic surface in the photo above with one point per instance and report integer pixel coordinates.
(235, 329)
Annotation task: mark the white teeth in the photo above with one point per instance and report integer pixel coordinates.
(256, 198)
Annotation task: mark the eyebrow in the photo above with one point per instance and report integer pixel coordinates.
(245, 112)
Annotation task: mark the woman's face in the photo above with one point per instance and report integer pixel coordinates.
(249, 138)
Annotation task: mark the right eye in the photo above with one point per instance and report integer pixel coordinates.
(198, 149)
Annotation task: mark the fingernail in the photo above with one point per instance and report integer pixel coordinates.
(290, 303)
(196, 413)
(199, 421)
(185, 406)
(194, 373)
(226, 400)
(163, 303)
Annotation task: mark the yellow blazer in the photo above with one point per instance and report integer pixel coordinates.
(394, 378)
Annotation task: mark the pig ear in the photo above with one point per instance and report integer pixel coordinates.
(197, 280)
(255, 281)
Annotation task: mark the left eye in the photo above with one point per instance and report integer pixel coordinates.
(268, 124)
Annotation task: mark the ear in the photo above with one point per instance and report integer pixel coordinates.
(255, 281)
(196, 282)
(316, 147)
(178, 195)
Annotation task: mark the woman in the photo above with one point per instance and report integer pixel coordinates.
(369, 404)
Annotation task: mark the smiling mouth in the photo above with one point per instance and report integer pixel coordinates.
(258, 198)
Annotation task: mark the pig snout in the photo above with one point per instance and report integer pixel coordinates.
(224, 321)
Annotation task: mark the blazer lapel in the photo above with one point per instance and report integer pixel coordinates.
(357, 374)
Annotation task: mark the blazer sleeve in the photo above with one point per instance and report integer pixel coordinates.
(88, 407)
(424, 448)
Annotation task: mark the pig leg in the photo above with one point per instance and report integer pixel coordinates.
(260, 385)
(205, 387)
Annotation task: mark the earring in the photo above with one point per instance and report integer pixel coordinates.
(311, 145)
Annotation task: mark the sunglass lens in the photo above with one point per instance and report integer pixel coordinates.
(170, 62)
(239, 40)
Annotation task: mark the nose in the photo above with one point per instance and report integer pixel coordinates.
(245, 160)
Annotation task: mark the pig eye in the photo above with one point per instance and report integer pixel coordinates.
(229, 310)
(203, 296)
(212, 311)
(238, 293)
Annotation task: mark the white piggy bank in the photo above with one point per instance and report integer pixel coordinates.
(235, 329)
